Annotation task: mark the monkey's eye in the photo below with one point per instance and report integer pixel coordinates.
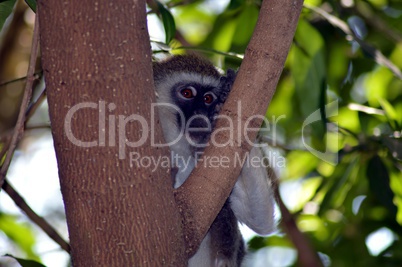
(188, 92)
(209, 98)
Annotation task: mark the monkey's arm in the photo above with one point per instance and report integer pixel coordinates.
(252, 198)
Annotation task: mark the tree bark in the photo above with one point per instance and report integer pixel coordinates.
(97, 64)
(203, 194)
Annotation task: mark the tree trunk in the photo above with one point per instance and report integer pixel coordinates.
(203, 194)
(97, 63)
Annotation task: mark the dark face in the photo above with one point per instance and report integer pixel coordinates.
(198, 105)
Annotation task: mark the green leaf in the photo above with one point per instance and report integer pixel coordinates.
(313, 224)
(379, 182)
(194, 23)
(337, 185)
(26, 263)
(308, 72)
(6, 7)
(396, 186)
(256, 243)
(221, 35)
(168, 22)
(376, 85)
(299, 164)
(245, 25)
(19, 233)
(31, 4)
(234, 4)
(390, 113)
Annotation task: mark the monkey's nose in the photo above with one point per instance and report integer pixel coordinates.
(199, 122)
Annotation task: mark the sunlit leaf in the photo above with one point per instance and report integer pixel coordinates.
(396, 186)
(19, 233)
(376, 85)
(224, 37)
(391, 114)
(223, 29)
(258, 242)
(299, 164)
(194, 23)
(378, 3)
(313, 224)
(313, 2)
(348, 119)
(338, 185)
(284, 94)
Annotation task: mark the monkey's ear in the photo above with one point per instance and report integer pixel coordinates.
(252, 199)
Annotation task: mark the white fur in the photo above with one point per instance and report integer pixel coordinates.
(202, 258)
(252, 198)
(173, 132)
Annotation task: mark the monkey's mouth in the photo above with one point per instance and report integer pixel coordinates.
(198, 130)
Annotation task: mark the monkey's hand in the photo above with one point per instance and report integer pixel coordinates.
(225, 84)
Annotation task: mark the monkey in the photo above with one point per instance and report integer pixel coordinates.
(190, 92)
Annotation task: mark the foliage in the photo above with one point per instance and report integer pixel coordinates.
(20, 234)
(6, 7)
(26, 263)
(348, 200)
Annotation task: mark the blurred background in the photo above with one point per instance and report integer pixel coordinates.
(340, 175)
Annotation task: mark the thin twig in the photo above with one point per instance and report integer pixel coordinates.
(273, 143)
(375, 53)
(38, 127)
(19, 127)
(39, 221)
(37, 75)
(377, 22)
(32, 109)
(24, 116)
(308, 257)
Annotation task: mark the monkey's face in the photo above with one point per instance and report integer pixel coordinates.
(196, 109)
(189, 92)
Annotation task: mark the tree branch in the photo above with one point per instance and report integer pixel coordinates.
(307, 256)
(203, 194)
(19, 127)
(375, 53)
(118, 213)
(32, 109)
(39, 221)
(375, 21)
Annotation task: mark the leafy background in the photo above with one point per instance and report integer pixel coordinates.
(348, 201)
